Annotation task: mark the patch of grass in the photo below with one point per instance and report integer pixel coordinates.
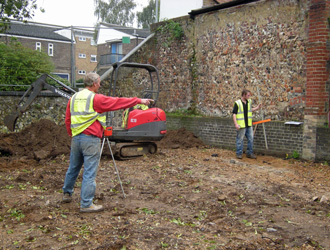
(247, 223)
(178, 222)
(146, 211)
(17, 214)
(11, 186)
(202, 215)
(163, 245)
(85, 230)
(185, 112)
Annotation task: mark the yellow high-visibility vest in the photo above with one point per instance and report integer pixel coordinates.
(125, 114)
(82, 112)
(240, 114)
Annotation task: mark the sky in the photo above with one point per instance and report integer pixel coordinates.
(71, 12)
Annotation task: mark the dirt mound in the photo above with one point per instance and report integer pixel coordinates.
(41, 140)
(181, 138)
(45, 139)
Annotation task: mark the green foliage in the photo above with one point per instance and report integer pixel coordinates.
(54, 83)
(295, 155)
(173, 29)
(80, 80)
(17, 9)
(21, 66)
(184, 112)
(115, 11)
(147, 16)
(17, 214)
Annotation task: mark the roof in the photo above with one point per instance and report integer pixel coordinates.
(35, 30)
(230, 4)
(129, 30)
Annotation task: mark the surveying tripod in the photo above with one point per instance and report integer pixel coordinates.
(107, 133)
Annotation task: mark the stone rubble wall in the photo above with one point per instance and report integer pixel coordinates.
(260, 45)
(43, 107)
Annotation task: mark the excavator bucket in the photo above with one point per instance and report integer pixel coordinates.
(10, 121)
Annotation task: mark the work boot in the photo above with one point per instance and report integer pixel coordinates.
(67, 198)
(252, 156)
(239, 156)
(92, 209)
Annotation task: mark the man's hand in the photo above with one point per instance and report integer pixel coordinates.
(147, 101)
(257, 108)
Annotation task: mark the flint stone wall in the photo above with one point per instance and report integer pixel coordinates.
(46, 106)
(260, 45)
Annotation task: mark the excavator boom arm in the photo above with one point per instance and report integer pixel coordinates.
(31, 94)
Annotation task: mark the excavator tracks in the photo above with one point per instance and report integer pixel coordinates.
(126, 151)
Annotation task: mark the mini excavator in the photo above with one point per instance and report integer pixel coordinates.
(142, 128)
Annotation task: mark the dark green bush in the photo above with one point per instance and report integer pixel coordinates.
(21, 66)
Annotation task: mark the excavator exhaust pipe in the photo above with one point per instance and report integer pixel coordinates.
(10, 121)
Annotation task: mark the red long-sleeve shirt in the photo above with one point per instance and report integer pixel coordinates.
(101, 104)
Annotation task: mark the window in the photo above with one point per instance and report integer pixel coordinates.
(50, 49)
(82, 39)
(38, 46)
(63, 75)
(82, 72)
(93, 58)
(117, 48)
(93, 42)
(82, 55)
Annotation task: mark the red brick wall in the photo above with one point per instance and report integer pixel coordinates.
(318, 58)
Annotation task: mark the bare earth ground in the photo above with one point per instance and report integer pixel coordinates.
(187, 196)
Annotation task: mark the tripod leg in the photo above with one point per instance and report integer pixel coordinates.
(102, 147)
(114, 163)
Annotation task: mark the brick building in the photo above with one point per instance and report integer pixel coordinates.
(85, 52)
(44, 38)
(73, 55)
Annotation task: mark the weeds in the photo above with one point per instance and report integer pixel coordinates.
(16, 214)
(294, 155)
(146, 211)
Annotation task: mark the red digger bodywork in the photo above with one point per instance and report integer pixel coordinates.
(138, 117)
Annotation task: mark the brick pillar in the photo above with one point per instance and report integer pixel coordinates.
(318, 63)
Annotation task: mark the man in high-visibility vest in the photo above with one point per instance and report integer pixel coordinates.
(85, 122)
(242, 116)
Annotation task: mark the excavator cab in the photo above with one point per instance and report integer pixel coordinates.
(143, 125)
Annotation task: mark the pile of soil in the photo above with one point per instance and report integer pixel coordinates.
(181, 138)
(41, 140)
(45, 139)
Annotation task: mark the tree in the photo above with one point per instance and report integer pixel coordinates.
(22, 66)
(17, 9)
(115, 11)
(147, 16)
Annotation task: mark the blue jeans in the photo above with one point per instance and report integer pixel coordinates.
(84, 150)
(248, 132)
